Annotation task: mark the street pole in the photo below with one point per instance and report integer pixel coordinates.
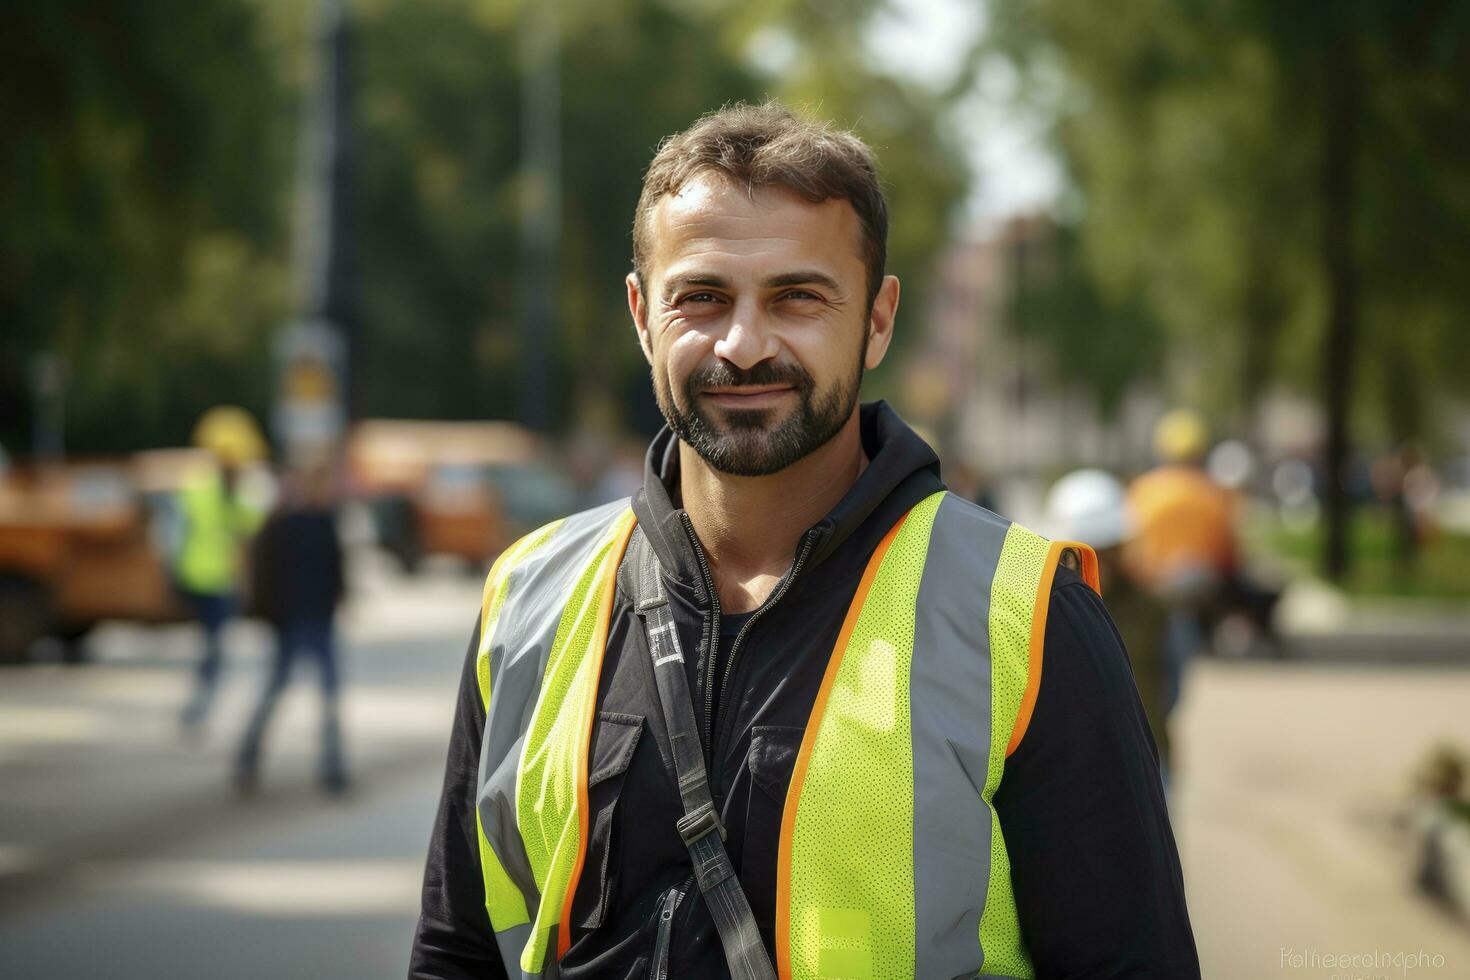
(1343, 100)
(318, 388)
(540, 198)
(48, 386)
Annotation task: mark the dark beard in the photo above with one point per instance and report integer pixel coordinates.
(750, 446)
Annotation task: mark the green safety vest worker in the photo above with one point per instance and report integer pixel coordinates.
(215, 526)
(892, 862)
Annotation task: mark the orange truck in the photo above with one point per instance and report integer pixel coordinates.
(465, 489)
(81, 542)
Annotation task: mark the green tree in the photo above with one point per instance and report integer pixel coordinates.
(1274, 179)
(149, 172)
(441, 130)
(141, 185)
(1097, 344)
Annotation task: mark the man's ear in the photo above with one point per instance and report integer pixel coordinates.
(880, 322)
(638, 308)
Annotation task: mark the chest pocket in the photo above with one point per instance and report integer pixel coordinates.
(772, 757)
(613, 743)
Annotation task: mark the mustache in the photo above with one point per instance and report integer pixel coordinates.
(726, 375)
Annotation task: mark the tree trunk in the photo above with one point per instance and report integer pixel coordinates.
(1342, 98)
(1263, 313)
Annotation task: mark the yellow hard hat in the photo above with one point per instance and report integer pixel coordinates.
(1181, 437)
(231, 434)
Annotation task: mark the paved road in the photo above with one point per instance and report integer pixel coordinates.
(123, 854)
(1292, 776)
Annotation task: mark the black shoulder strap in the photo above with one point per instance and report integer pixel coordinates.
(700, 826)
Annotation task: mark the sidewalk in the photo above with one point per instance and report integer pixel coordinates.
(96, 768)
(1289, 781)
(1317, 622)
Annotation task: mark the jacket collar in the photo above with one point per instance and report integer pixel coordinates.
(899, 461)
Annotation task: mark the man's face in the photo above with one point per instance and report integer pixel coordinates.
(755, 321)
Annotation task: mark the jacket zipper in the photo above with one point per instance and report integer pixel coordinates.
(663, 943)
(775, 597)
(714, 636)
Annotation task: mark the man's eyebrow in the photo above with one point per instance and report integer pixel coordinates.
(804, 277)
(714, 281)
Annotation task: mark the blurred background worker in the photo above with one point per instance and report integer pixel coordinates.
(1183, 549)
(298, 583)
(215, 521)
(1090, 505)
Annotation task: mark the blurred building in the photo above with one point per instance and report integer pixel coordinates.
(992, 395)
(1001, 411)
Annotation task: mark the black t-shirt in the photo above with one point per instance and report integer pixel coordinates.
(296, 566)
(730, 626)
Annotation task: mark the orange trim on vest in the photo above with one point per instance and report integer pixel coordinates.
(803, 756)
(1089, 564)
(599, 647)
(1038, 628)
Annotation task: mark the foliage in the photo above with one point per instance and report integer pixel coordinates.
(1379, 569)
(441, 127)
(1286, 185)
(1192, 129)
(443, 114)
(1098, 344)
(141, 180)
(148, 183)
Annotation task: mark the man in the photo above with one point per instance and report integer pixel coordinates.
(216, 520)
(1091, 506)
(862, 650)
(1183, 551)
(299, 582)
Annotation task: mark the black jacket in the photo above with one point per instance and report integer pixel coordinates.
(296, 566)
(1094, 867)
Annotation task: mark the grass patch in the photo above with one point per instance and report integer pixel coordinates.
(1441, 571)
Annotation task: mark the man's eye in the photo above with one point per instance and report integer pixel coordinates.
(700, 298)
(799, 294)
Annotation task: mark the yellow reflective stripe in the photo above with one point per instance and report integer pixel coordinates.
(845, 944)
(1038, 628)
(504, 902)
(497, 585)
(1012, 613)
(215, 525)
(551, 782)
(846, 860)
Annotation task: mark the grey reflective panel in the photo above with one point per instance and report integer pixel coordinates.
(497, 805)
(949, 689)
(520, 644)
(511, 941)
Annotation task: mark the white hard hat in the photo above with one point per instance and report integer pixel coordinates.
(1088, 506)
(1231, 464)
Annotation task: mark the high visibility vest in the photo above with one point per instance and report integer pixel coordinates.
(214, 526)
(891, 861)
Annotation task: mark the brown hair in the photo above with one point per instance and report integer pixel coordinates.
(769, 145)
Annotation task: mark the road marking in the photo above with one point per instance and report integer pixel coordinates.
(353, 887)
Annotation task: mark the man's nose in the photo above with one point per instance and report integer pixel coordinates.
(748, 339)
